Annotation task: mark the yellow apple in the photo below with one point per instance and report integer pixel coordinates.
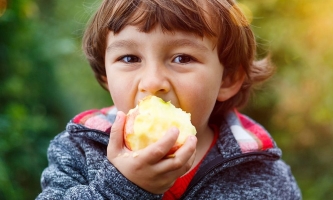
(150, 120)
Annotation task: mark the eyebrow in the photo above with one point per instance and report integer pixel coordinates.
(121, 44)
(186, 43)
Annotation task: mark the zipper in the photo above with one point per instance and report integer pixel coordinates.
(218, 161)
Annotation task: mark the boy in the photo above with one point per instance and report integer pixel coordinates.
(200, 56)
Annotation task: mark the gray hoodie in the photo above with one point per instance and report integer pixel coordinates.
(244, 164)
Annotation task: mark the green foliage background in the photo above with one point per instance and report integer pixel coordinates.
(45, 80)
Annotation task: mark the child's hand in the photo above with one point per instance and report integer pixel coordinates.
(148, 168)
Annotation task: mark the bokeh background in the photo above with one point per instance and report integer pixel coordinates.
(45, 80)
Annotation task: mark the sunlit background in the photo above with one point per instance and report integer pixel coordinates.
(45, 80)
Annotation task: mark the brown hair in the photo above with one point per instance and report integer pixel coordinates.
(220, 19)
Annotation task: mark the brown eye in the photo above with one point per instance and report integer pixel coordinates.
(183, 59)
(130, 59)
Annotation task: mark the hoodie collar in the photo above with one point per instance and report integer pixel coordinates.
(95, 119)
(249, 135)
(238, 135)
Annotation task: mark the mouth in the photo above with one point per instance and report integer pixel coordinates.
(164, 98)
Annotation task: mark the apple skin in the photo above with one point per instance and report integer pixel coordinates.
(129, 127)
(150, 120)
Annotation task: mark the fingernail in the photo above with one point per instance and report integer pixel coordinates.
(174, 130)
(192, 138)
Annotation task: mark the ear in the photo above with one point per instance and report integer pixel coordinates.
(231, 84)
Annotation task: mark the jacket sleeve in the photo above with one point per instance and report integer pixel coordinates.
(66, 177)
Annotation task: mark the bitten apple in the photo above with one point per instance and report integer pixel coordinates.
(150, 120)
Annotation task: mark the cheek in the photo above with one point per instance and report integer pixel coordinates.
(203, 97)
(202, 108)
(200, 103)
(116, 90)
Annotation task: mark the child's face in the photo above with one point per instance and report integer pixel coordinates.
(179, 67)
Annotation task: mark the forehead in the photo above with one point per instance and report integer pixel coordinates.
(178, 15)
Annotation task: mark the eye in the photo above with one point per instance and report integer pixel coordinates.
(182, 59)
(129, 59)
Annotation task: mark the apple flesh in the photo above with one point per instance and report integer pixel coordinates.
(150, 120)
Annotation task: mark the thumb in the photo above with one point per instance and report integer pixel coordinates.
(116, 141)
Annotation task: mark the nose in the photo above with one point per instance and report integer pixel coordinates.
(154, 80)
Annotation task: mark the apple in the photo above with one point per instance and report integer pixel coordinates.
(150, 120)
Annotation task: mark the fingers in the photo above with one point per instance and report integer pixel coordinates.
(181, 162)
(188, 150)
(148, 169)
(184, 157)
(158, 150)
(190, 143)
(116, 141)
